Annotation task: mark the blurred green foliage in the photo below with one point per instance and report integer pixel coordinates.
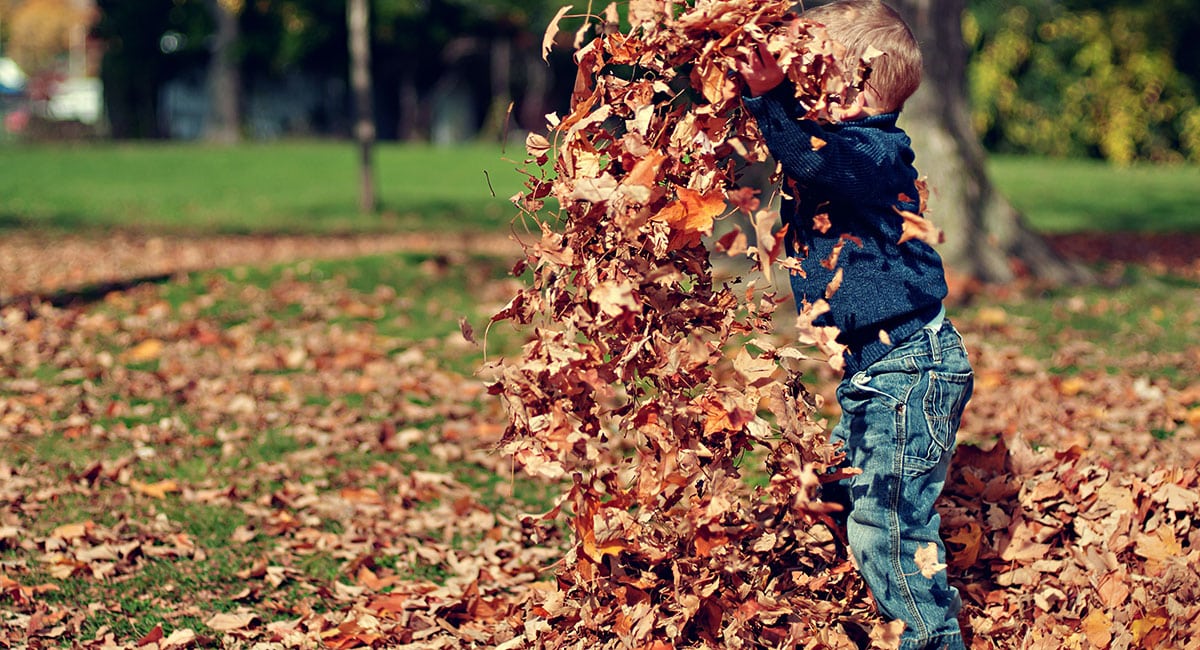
(1113, 80)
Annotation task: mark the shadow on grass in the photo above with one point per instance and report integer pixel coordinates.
(327, 219)
(79, 296)
(61, 221)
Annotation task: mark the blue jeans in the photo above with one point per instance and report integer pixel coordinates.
(899, 420)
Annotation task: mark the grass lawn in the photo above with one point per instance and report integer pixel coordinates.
(1088, 195)
(311, 187)
(290, 187)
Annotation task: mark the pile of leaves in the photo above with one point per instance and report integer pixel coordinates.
(646, 384)
(1054, 549)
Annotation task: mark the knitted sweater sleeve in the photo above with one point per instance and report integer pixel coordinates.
(842, 162)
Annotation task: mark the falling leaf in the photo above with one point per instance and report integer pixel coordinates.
(693, 213)
(821, 223)
(468, 332)
(552, 32)
(745, 199)
(917, 227)
(613, 298)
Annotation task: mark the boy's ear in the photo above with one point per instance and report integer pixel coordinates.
(856, 109)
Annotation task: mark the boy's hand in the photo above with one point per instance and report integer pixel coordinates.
(760, 71)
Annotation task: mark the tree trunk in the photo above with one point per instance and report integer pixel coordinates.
(537, 87)
(409, 128)
(224, 76)
(358, 20)
(496, 123)
(986, 238)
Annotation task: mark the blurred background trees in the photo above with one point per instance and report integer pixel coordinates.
(1112, 79)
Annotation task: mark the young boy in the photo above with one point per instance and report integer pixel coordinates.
(907, 377)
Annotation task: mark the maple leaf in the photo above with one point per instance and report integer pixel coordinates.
(692, 214)
(971, 540)
(745, 199)
(927, 560)
(733, 243)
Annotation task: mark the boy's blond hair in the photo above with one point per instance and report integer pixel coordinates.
(861, 24)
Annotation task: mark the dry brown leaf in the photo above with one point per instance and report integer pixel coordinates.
(917, 227)
(927, 560)
(231, 621)
(552, 32)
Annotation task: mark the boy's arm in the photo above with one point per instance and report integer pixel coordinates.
(841, 162)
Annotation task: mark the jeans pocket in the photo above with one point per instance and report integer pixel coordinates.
(943, 405)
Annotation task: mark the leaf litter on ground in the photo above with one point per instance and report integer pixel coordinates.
(1088, 536)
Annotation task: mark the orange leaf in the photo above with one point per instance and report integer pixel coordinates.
(73, 531)
(157, 490)
(970, 538)
(1160, 546)
(706, 542)
(368, 579)
(389, 603)
(1097, 627)
(693, 212)
(918, 227)
(1145, 629)
(713, 84)
(645, 170)
(147, 350)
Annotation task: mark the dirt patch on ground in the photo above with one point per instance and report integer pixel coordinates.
(33, 265)
(1174, 253)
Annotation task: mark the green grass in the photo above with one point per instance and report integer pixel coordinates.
(311, 187)
(292, 187)
(1150, 317)
(1088, 195)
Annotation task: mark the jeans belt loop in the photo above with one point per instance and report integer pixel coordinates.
(935, 345)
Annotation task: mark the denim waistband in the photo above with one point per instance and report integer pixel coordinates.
(865, 346)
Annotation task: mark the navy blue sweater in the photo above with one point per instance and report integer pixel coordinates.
(857, 179)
